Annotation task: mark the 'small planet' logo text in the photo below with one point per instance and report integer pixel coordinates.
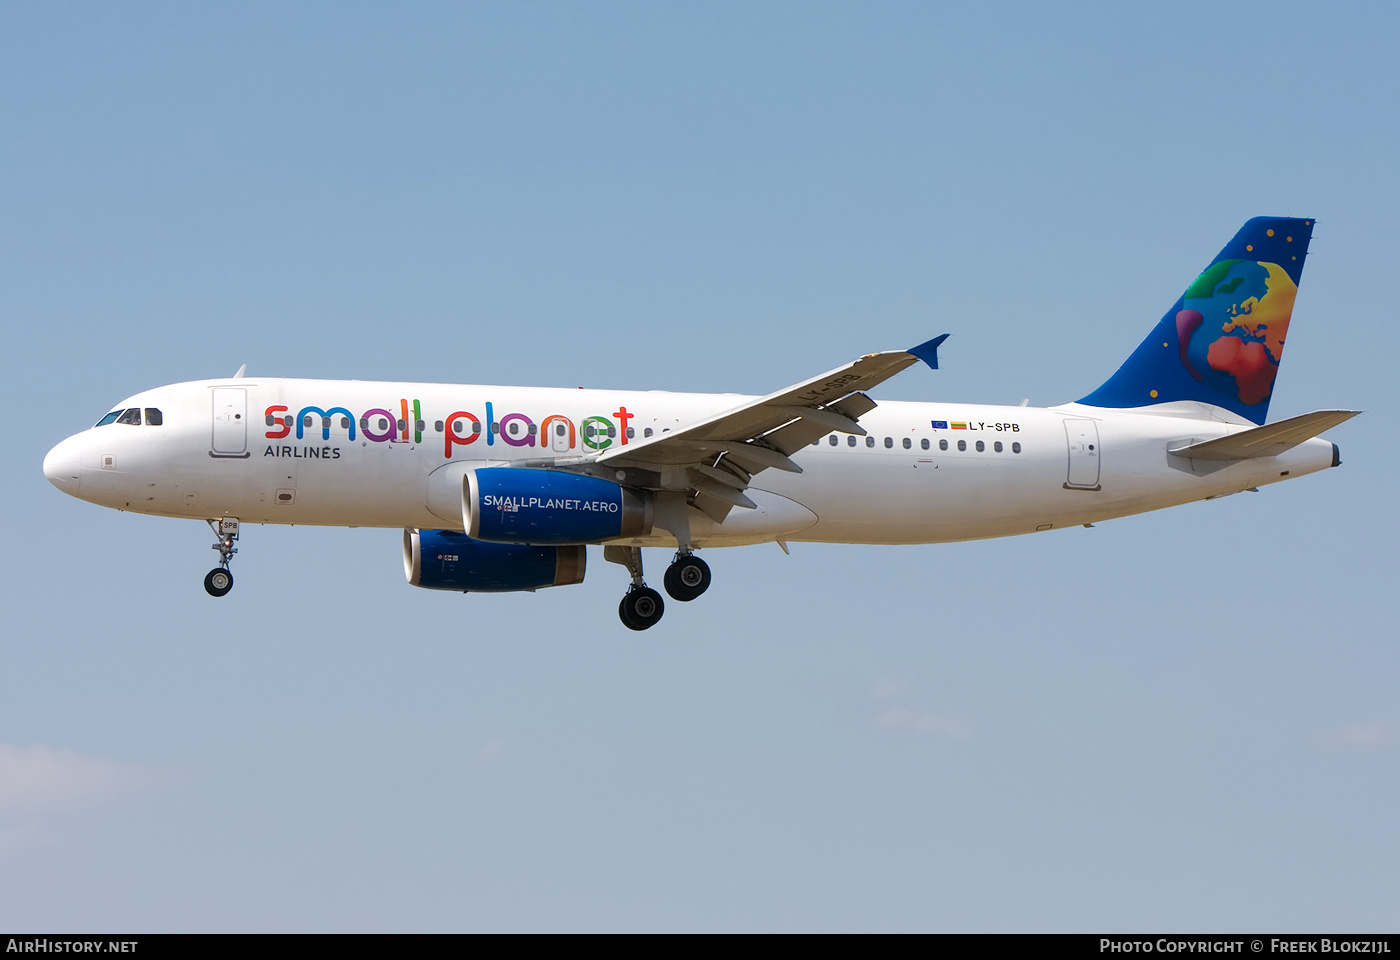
(459, 428)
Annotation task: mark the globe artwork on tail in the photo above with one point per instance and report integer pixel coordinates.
(1231, 331)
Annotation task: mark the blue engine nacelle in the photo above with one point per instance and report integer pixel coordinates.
(448, 560)
(525, 505)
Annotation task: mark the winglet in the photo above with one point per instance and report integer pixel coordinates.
(241, 371)
(928, 351)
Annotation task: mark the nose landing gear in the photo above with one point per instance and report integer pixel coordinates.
(641, 607)
(687, 577)
(219, 581)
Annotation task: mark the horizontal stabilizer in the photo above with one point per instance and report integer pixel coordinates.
(1265, 441)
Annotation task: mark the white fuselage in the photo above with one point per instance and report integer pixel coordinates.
(225, 449)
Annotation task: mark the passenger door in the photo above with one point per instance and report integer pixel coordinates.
(1082, 437)
(230, 422)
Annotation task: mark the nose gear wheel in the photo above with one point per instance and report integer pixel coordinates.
(218, 582)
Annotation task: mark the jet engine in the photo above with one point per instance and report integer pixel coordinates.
(448, 560)
(527, 505)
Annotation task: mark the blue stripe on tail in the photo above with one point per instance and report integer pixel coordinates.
(1222, 341)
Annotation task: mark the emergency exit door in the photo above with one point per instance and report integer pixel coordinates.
(561, 436)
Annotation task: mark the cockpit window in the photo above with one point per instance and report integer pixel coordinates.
(108, 419)
(132, 416)
(153, 417)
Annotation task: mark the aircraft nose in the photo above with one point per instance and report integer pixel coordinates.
(63, 466)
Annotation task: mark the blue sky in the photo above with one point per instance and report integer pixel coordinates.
(1181, 721)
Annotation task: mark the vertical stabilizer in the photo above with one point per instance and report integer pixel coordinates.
(1222, 341)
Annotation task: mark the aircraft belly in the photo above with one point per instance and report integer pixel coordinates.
(774, 517)
(929, 498)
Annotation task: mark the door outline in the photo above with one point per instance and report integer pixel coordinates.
(229, 438)
(1082, 449)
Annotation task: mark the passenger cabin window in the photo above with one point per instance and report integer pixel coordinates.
(909, 443)
(962, 444)
(870, 441)
(1015, 448)
(645, 433)
(924, 443)
(110, 418)
(345, 424)
(981, 447)
(153, 417)
(132, 416)
(437, 425)
(631, 433)
(850, 441)
(997, 446)
(560, 429)
(943, 444)
(833, 440)
(889, 443)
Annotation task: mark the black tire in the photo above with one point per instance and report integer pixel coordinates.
(625, 617)
(641, 609)
(218, 582)
(687, 578)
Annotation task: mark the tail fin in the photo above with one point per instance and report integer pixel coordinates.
(1222, 341)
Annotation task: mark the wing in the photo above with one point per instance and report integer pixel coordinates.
(717, 457)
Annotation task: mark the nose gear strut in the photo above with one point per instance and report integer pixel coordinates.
(219, 581)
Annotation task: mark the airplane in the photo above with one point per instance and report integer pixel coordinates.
(503, 489)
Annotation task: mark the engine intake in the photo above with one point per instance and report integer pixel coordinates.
(448, 560)
(527, 505)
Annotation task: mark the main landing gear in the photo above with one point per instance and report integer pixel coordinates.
(687, 577)
(641, 608)
(219, 581)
